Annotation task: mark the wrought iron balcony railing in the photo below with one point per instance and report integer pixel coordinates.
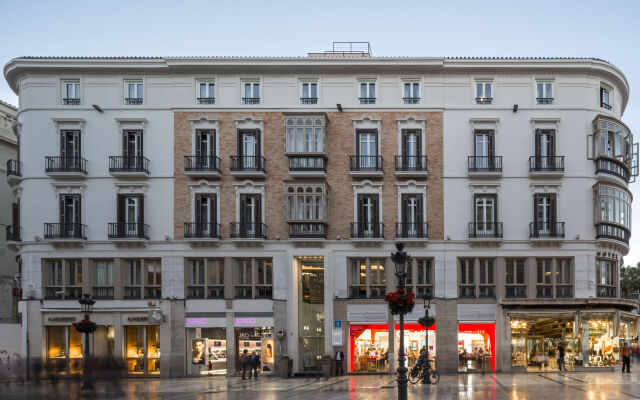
(248, 163)
(367, 100)
(201, 230)
(65, 164)
(613, 167)
(65, 230)
(485, 163)
(14, 168)
(614, 232)
(546, 230)
(251, 100)
(367, 230)
(411, 230)
(201, 164)
(365, 163)
(308, 100)
(128, 164)
(206, 100)
(485, 230)
(307, 163)
(133, 101)
(546, 163)
(411, 163)
(13, 233)
(71, 101)
(484, 100)
(544, 100)
(128, 230)
(307, 230)
(411, 100)
(248, 230)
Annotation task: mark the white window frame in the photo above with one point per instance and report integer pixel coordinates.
(304, 81)
(253, 82)
(125, 93)
(204, 187)
(368, 82)
(412, 187)
(249, 187)
(314, 194)
(367, 123)
(295, 126)
(204, 124)
(208, 82)
(367, 187)
(77, 90)
(412, 82)
(544, 83)
(484, 82)
(608, 88)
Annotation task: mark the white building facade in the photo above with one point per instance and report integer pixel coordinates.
(215, 205)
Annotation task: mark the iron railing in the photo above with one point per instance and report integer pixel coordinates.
(14, 168)
(484, 100)
(515, 291)
(606, 291)
(612, 231)
(367, 100)
(307, 230)
(544, 100)
(308, 100)
(411, 230)
(128, 164)
(248, 163)
(613, 167)
(206, 100)
(365, 163)
(201, 230)
(128, 230)
(65, 230)
(251, 100)
(485, 229)
(546, 229)
(13, 233)
(411, 163)
(367, 230)
(307, 163)
(133, 101)
(248, 230)
(70, 101)
(411, 100)
(546, 163)
(201, 164)
(485, 163)
(605, 106)
(65, 164)
(62, 293)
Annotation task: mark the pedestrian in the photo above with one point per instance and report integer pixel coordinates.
(626, 358)
(254, 363)
(561, 364)
(244, 364)
(339, 360)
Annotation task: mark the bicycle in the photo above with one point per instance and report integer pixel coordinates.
(420, 373)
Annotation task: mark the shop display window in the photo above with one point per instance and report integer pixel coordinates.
(142, 349)
(253, 339)
(476, 347)
(208, 351)
(57, 349)
(536, 344)
(153, 349)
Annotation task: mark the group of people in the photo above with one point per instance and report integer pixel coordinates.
(249, 363)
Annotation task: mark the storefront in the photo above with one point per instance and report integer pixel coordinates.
(206, 345)
(476, 347)
(142, 349)
(255, 333)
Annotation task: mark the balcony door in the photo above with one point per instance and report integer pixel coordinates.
(131, 214)
(250, 215)
(544, 213)
(249, 148)
(545, 148)
(484, 149)
(368, 215)
(411, 149)
(132, 149)
(205, 213)
(485, 215)
(70, 149)
(205, 147)
(69, 214)
(412, 215)
(367, 149)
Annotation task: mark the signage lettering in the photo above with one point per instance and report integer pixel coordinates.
(195, 321)
(244, 321)
(137, 318)
(62, 319)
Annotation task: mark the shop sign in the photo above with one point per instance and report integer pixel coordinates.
(61, 319)
(196, 321)
(138, 319)
(336, 337)
(337, 324)
(244, 321)
(607, 254)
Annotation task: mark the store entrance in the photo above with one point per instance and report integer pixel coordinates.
(311, 311)
(476, 347)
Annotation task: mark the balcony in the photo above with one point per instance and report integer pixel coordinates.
(62, 293)
(206, 100)
(515, 291)
(612, 170)
(65, 167)
(411, 231)
(606, 291)
(307, 231)
(367, 100)
(484, 100)
(14, 171)
(68, 101)
(201, 231)
(546, 231)
(366, 166)
(605, 106)
(411, 100)
(367, 231)
(248, 166)
(485, 231)
(202, 166)
(485, 166)
(65, 231)
(250, 100)
(248, 231)
(615, 233)
(103, 292)
(308, 100)
(307, 166)
(133, 101)
(13, 234)
(129, 166)
(564, 291)
(544, 100)
(411, 166)
(546, 167)
(128, 231)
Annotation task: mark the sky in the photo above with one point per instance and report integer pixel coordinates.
(561, 28)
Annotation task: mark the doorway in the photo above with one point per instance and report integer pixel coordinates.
(311, 311)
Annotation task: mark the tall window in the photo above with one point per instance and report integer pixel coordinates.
(70, 214)
(70, 149)
(63, 279)
(606, 277)
(249, 148)
(71, 93)
(131, 215)
(205, 279)
(367, 278)
(419, 278)
(133, 92)
(411, 149)
(515, 279)
(476, 277)
(544, 205)
(484, 93)
(367, 93)
(206, 92)
(153, 284)
(305, 135)
(206, 214)
(614, 206)
(103, 287)
(554, 274)
(133, 288)
(250, 215)
(251, 93)
(484, 149)
(367, 149)
(253, 278)
(306, 202)
(485, 214)
(413, 221)
(545, 148)
(605, 98)
(368, 224)
(544, 92)
(411, 94)
(309, 93)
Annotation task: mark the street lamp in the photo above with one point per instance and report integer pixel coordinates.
(86, 304)
(400, 258)
(427, 304)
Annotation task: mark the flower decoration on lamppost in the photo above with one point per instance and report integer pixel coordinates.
(401, 302)
(87, 327)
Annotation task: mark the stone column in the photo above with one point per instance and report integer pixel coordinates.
(231, 344)
(447, 335)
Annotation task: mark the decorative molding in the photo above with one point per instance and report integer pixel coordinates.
(410, 187)
(71, 122)
(366, 187)
(484, 188)
(250, 187)
(545, 188)
(131, 187)
(68, 188)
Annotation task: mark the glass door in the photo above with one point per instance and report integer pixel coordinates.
(367, 149)
(485, 215)
(131, 215)
(311, 312)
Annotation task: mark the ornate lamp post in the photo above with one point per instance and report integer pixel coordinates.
(87, 327)
(427, 304)
(400, 258)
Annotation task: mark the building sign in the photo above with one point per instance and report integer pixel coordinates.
(337, 324)
(195, 322)
(244, 322)
(139, 319)
(62, 319)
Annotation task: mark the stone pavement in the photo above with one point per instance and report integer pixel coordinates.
(592, 386)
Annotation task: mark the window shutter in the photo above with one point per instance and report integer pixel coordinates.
(404, 202)
(552, 144)
(538, 139)
(63, 144)
(491, 145)
(258, 149)
(198, 208)
(552, 209)
(240, 143)
(139, 150)
(62, 209)
(360, 209)
(405, 146)
(198, 144)
(536, 202)
(121, 208)
(212, 143)
(125, 139)
(214, 209)
(258, 204)
(419, 217)
(418, 147)
(140, 211)
(77, 210)
(243, 209)
(375, 214)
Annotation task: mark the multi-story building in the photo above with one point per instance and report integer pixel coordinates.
(8, 263)
(254, 202)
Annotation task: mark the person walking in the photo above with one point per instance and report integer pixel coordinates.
(254, 363)
(561, 365)
(626, 358)
(339, 360)
(244, 364)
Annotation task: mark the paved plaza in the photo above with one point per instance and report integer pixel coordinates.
(600, 386)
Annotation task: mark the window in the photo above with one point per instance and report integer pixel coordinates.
(131, 216)
(206, 213)
(605, 98)
(367, 278)
(614, 205)
(133, 288)
(411, 158)
(420, 277)
(153, 284)
(251, 93)
(367, 151)
(206, 92)
(476, 278)
(544, 205)
(103, 285)
(485, 216)
(547, 279)
(367, 93)
(515, 278)
(250, 215)
(544, 92)
(413, 223)
(368, 224)
(309, 93)
(70, 213)
(133, 92)
(606, 277)
(143, 276)
(71, 93)
(253, 278)
(411, 94)
(63, 279)
(249, 151)
(205, 279)
(484, 93)
(306, 202)
(545, 151)
(484, 149)
(305, 135)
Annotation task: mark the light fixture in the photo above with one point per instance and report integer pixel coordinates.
(515, 108)
(97, 107)
(339, 107)
(86, 302)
